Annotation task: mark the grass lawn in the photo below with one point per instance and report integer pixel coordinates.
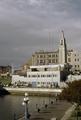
(5, 81)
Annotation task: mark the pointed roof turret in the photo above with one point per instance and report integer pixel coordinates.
(62, 41)
(62, 34)
(62, 49)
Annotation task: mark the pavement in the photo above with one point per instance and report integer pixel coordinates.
(69, 112)
(54, 111)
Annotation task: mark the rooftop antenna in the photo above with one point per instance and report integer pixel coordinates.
(12, 69)
(49, 40)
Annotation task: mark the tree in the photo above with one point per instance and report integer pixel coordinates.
(73, 92)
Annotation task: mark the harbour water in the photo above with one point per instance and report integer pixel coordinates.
(13, 104)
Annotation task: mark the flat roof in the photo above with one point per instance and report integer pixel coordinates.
(47, 66)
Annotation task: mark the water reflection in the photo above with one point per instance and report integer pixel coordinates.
(13, 104)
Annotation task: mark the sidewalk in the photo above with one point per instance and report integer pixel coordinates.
(53, 111)
(69, 112)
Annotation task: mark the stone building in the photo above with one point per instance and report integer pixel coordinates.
(61, 56)
(5, 71)
(45, 58)
(74, 59)
(55, 57)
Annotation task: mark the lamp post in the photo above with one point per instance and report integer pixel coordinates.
(25, 103)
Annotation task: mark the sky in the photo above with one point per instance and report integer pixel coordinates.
(27, 26)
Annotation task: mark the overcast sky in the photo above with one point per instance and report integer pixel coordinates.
(27, 26)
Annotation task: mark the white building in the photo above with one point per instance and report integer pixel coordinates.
(72, 78)
(42, 76)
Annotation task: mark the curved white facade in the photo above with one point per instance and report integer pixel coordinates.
(41, 76)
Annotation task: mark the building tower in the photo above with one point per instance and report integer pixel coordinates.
(62, 50)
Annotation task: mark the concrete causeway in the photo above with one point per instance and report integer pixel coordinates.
(35, 91)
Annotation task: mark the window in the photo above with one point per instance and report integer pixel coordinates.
(38, 75)
(48, 75)
(42, 75)
(37, 56)
(49, 55)
(41, 61)
(78, 66)
(48, 83)
(53, 55)
(69, 59)
(41, 56)
(78, 59)
(34, 76)
(37, 61)
(34, 69)
(49, 61)
(53, 61)
(38, 82)
(29, 76)
(56, 60)
(44, 56)
(69, 54)
(61, 42)
(54, 75)
(45, 69)
(43, 83)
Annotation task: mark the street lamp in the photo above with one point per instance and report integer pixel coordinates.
(25, 103)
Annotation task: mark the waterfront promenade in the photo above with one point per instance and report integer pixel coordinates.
(53, 111)
(58, 110)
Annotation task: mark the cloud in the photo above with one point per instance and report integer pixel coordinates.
(34, 2)
(25, 27)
